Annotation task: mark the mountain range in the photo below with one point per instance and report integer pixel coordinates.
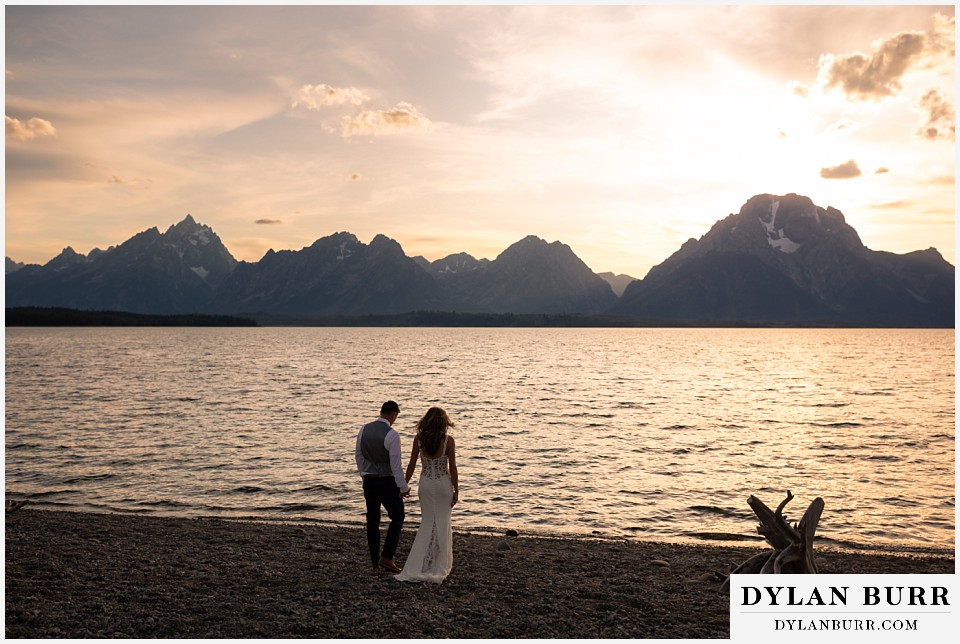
(177, 271)
(781, 259)
(784, 259)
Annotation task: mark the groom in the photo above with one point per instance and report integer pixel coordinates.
(378, 459)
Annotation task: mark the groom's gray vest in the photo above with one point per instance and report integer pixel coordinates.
(372, 448)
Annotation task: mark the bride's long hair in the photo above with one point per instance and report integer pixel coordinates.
(432, 429)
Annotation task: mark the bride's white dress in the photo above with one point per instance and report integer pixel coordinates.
(431, 556)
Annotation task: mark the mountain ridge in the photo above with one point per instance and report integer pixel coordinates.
(780, 259)
(152, 272)
(783, 258)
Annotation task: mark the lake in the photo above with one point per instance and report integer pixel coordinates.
(635, 433)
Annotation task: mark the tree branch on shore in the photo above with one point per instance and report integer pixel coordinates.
(13, 506)
(792, 545)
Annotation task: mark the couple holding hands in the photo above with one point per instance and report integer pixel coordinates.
(385, 484)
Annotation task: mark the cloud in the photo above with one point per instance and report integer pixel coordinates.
(843, 125)
(268, 222)
(877, 75)
(943, 37)
(316, 97)
(847, 170)
(20, 131)
(939, 116)
(121, 181)
(402, 118)
(799, 89)
(903, 204)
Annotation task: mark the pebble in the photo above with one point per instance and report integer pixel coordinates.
(660, 563)
(273, 586)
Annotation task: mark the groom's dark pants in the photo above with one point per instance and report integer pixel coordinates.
(383, 491)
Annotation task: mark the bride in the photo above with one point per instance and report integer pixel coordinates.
(431, 556)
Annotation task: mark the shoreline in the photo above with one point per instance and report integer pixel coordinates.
(751, 541)
(35, 316)
(83, 575)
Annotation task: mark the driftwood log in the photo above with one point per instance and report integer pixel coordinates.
(792, 545)
(13, 506)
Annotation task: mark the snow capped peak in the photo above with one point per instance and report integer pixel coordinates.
(189, 231)
(775, 236)
(457, 263)
(200, 237)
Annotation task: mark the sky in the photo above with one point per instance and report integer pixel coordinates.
(621, 131)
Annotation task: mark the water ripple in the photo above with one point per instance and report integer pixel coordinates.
(633, 432)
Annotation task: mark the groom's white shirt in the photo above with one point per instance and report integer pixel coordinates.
(392, 442)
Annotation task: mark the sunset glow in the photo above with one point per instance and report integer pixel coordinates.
(621, 131)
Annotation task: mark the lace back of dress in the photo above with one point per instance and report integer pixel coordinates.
(434, 468)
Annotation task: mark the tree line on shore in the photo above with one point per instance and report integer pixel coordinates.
(40, 316)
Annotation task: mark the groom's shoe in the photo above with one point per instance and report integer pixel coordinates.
(389, 564)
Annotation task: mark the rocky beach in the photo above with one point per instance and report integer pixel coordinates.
(81, 575)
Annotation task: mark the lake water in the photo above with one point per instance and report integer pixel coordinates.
(637, 433)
